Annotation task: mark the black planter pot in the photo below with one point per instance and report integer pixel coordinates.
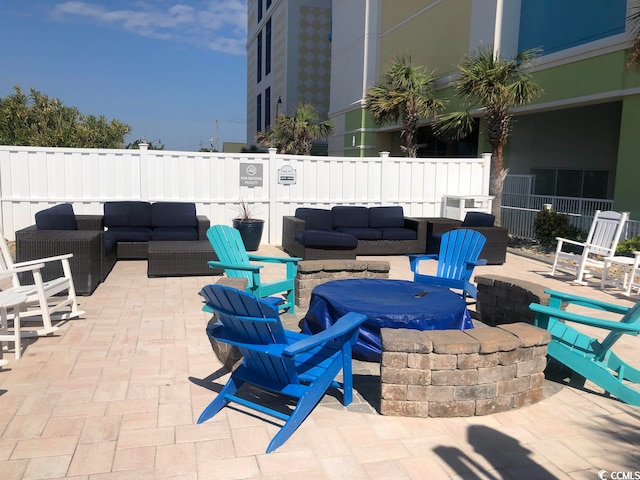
(250, 231)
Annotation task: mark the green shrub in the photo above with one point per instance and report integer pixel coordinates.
(628, 246)
(550, 224)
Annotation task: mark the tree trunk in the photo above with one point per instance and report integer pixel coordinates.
(497, 176)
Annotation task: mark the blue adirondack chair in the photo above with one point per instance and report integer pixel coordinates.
(236, 262)
(459, 252)
(297, 366)
(589, 357)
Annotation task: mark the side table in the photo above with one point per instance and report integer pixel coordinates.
(626, 270)
(14, 301)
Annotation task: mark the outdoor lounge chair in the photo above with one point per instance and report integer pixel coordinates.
(602, 241)
(236, 262)
(459, 251)
(589, 357)
(294, 365)
(44, 299)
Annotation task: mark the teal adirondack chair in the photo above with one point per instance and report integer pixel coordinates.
(589, 357)
(459, 252)
(236, 262)
(296, 366)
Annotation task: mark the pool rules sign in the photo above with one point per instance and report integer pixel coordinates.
(251, 175)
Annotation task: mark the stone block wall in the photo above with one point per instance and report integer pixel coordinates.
(504, 300)
(455, 373)
(312, 273)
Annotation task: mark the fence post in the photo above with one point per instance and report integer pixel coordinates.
(272, 168)
(486, 173)
(144, 172)
(384, 160)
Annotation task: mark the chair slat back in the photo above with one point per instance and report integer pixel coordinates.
(229, 248)
(631, 317)
(254, 322)
(458, 247)
(605, 232)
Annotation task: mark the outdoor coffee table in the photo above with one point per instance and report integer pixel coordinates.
(387, 304)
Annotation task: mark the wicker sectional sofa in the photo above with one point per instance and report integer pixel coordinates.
(347, 231)
(129, 230)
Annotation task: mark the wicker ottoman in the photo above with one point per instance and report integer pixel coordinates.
(175, 259)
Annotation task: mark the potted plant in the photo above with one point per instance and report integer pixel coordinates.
(250, 228)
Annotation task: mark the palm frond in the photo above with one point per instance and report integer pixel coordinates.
(453, 126)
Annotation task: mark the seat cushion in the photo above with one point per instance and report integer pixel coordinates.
(399, 234)
(173, 214)
(386, 217)
(128, 234)
(478, 219)
(326, 239)
(127, 214)
(174, 233)
(362, 233)
(315, 218)
(58, 217)
(347, 216)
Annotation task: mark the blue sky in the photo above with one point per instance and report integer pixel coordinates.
(170, 70)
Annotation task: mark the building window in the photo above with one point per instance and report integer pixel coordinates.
(268, 4)
(267, 108)
(570, 182)
(259, 56)
(260, 10)
(267, 49)
(259, 113)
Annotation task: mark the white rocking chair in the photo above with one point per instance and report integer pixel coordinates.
(43, 302)
(601, 242)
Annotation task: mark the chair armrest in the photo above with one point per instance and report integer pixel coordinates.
(343, 326)
(234, 266)
(556, 298)
(202, 226)
(66, 256)
(290, 227)
(25, 268)
(260, 258)
(414, 260)
(545, 311)
(477, 263)
(572, 242)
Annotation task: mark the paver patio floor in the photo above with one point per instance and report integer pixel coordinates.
(116, 393)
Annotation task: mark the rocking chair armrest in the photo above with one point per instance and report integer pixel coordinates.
(610, 325)
(234, 266)
(64, 257)
(568, 240)
(586, 302)
(261, 258)
(24, 268)
(344, 325)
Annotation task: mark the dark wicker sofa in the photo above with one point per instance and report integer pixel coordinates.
(95, 250)
(347, 231)
(497, 238)
(58, 231)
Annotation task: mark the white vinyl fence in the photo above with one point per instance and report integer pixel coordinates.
(34, 178)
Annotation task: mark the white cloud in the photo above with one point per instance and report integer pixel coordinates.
(218, 25)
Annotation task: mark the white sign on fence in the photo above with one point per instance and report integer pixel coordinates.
(251, 175)
(287, 175)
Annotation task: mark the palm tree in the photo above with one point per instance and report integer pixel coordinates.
(404, 94)
(493, 85)
(295, 133)
(634, 57)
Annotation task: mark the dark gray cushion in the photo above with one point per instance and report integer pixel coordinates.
(347, 216)
(127, 214)
(58, 217)
(362, 233)
(386, 217)
(478, 219)
(315, 218)
(173, 214)
(327, 240)
(398, 234)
